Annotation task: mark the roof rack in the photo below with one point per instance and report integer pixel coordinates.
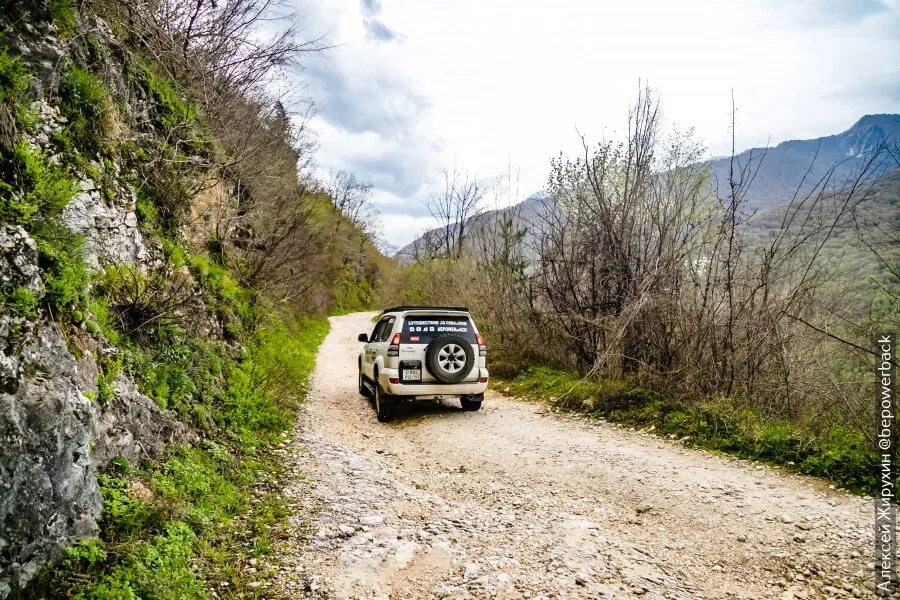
(404, 308)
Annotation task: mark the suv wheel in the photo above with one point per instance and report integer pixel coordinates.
(472, 402)
(449, 358)
(384, 403)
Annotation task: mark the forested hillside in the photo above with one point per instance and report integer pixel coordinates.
(166, 261)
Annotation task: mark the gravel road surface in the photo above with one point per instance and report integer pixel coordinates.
(516, 501)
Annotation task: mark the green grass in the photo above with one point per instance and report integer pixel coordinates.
(14, 78)
(836, 453)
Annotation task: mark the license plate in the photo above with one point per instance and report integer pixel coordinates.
(412, 374)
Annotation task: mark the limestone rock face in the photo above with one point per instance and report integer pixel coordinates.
(53, 438)
(48, 492)
(133, 427)
(54, 434)
(18, 260)
(111, 231)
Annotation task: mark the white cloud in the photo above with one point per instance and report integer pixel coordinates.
(412, 88)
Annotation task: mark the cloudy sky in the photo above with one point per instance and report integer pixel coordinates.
(413, 87)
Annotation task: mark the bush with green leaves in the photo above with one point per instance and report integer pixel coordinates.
(33, 188)
(231, 303)
(61, 258)
(33, 196)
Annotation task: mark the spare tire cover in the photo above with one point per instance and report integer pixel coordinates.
(449, 358)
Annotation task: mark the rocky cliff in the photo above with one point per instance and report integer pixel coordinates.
(56, 432)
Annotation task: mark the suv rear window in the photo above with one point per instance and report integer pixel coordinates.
(423, 329)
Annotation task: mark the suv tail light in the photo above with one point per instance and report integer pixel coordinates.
(394, 348)
(482, 349)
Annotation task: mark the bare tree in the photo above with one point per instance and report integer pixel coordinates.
(453, 208)
(614, 228)
(353, 199)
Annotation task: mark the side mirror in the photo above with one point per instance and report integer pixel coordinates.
(362, 337)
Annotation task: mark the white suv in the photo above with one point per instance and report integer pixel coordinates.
(423, 352)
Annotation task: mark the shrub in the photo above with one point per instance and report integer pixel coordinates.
(144, 304)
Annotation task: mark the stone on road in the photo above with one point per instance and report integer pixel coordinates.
(515, 501)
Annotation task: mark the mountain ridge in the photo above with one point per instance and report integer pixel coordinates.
(790, 167)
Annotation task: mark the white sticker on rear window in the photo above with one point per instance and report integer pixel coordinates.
(425, 329)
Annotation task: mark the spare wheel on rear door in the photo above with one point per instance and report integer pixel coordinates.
(449, 358)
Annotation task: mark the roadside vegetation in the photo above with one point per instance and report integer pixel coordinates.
(840, 454)
(200, 518)
(643, 290)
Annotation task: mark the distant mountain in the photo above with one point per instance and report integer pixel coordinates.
(482, 226)
(781, 169)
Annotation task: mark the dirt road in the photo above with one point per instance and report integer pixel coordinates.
(515, 501)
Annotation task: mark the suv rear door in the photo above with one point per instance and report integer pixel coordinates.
(420, 329)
